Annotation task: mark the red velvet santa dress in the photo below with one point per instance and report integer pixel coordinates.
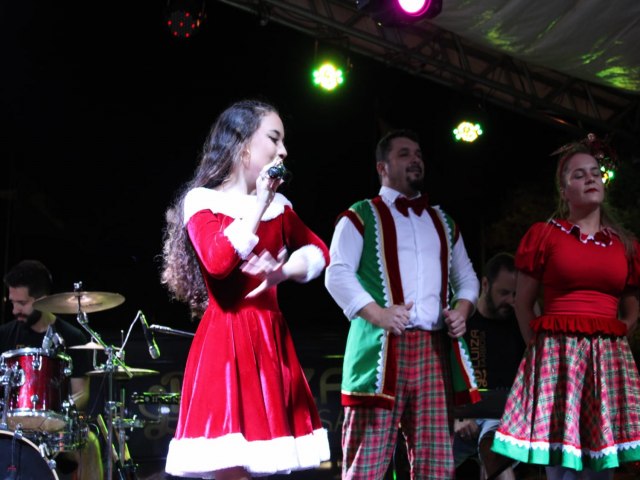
(245, 401)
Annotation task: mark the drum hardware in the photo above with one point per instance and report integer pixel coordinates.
(10, 379)
(121, 374)
(87, 346)
(43, 448)
(82, 300)
(129, 423)
(155, 405)
(115, 368)
(36, 362)
(52, 343)
(119, 451)
(156, 398)
(35, 389)
(50, 444)
(73, 437)
(102, 427)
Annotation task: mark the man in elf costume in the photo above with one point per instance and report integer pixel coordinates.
(401, 274)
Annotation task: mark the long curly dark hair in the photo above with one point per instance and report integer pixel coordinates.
(221, 154)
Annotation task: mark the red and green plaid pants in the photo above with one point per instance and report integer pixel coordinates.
(422, 410)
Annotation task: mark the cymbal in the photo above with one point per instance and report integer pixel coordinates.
(120, 374)
(88, 302)
(87, 346)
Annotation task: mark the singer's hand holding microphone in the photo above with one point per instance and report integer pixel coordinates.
(271, 177)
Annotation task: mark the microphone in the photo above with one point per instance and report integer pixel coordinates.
(154, 351)
(171, 331)
(277, 171)
(47, 341)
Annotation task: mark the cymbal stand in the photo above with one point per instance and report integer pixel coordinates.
(127, 468)
(117, 425)
(114, 360)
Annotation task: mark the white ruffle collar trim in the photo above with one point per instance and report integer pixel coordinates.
(231, 204)
(602, 237)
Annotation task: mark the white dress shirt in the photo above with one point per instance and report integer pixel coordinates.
(419, 262)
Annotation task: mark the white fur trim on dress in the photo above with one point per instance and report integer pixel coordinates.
(241, 237)
(231, 204)
(202, 457)
(314, 260)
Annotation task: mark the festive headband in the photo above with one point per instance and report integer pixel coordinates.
(601, 150)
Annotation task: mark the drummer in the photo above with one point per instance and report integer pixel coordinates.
(27, 282)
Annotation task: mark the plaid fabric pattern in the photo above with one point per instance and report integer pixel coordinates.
(422, 410)
(575, 403)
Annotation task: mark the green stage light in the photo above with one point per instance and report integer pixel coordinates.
(328, 77)
(467, 132)
(608, 175)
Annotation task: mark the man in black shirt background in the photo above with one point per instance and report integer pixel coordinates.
(495, 347)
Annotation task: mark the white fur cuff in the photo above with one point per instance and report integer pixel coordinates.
(314, 259)
(241, 237)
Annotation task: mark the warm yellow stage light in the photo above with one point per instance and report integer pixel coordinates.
(467, 131)
(328, 77)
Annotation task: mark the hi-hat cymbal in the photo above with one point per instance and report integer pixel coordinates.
(71, 302)
(87, 346)
(120, 374)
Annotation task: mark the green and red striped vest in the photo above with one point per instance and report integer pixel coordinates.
(370, 361)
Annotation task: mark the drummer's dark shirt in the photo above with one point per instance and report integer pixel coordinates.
(15, 335)
(496, 348)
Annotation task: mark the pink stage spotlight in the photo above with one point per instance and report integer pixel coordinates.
(414, 8)
(400, 12)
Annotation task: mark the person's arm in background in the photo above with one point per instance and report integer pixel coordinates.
(80, 392)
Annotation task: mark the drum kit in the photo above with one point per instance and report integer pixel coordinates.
(39, 419)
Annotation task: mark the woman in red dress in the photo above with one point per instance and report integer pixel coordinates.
(246, 409)
(575, 404)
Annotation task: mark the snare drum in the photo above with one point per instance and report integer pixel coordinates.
(73, 437)
(39, 389)
(22, 459)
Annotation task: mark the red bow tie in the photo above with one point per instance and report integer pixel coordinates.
(419, 204)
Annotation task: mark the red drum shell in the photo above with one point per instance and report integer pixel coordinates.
(37, 403)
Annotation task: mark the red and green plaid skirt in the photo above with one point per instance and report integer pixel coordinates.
(575, 403)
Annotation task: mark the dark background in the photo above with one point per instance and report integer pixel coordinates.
(103, 114)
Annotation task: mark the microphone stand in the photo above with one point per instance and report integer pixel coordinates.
(170, 331)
